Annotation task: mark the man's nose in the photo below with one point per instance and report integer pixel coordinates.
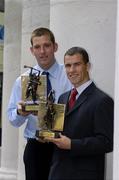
(42, 49)
(72, 68)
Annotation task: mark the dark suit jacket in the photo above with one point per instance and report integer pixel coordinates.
(90, 126)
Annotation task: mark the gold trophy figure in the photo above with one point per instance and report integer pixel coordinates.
(50, 111)
(50, 117)
(33, 89)
(32, 86)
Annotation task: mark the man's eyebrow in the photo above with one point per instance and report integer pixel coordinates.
(79, 62)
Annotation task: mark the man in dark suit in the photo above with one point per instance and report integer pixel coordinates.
(88, 126)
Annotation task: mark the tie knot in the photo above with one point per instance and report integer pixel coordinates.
(45, 73)
(74, 92)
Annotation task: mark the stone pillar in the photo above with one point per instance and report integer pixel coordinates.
(36, 13)
(12, 56)
(92, 25)
(116, 122)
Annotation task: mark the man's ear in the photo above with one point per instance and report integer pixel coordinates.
(88, 66)
(31, 49)
(55, 47)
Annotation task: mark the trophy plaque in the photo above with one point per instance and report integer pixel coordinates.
(33, 89)
(50, 118)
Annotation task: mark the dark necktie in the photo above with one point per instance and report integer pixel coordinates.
(49, 87)
(72, 98)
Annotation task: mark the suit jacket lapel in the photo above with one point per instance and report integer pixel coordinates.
(66, 98)
(78, 103)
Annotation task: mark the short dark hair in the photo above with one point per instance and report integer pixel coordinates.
(78, 50)
(42, 31)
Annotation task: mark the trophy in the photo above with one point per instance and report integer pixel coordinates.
(33, 89)
(50, 117)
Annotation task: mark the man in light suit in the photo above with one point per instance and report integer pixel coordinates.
(88, 127)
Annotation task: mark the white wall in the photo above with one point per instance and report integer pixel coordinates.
(91, 24)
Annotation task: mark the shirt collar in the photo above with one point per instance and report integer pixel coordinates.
(81, 88)
(52, 70)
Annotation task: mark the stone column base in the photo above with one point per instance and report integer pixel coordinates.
(6, 174)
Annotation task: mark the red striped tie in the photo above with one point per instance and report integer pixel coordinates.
(72, 98)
